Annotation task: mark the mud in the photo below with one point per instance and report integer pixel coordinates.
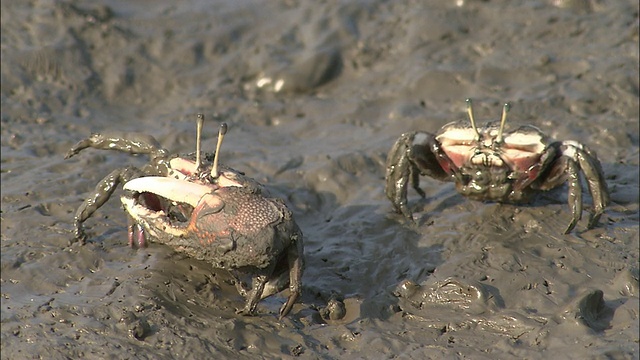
(315, 94)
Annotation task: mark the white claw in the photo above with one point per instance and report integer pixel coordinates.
(169, 188)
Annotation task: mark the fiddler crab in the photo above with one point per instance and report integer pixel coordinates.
(488, 164)
(204, 209)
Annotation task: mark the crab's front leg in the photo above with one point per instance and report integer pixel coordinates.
(573, 158)
(100, 195)
(412, 155)
(399, 171)
(132, 143)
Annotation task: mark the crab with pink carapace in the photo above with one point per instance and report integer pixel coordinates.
(490, 164)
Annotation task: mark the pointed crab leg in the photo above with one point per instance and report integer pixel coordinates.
(169, 188)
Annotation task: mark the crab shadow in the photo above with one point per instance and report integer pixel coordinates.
(362, 252)
(550, 207)
(358, 252)
(398, 256)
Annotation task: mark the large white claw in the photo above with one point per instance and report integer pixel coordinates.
(169, 188)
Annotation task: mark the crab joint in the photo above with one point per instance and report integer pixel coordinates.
(471, 118)
(503, 120)
(199, 124)
(221, 132)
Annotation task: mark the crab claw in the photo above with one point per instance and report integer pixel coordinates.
(153, 189)
(169, 188)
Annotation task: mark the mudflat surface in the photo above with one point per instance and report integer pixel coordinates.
(315, 94)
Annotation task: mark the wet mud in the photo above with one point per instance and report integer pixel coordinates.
(315, 95)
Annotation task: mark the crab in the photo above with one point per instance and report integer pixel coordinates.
(488, 164)
(204, 209)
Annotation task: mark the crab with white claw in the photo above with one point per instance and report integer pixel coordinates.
(488, 164)
(206, 210)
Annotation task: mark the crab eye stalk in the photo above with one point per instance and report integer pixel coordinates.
(199, 124)
(221, 133)
(471, 118)
(503, 120)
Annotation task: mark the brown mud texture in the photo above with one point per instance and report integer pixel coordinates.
(315, 94)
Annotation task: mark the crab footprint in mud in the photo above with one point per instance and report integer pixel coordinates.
(438, 302)
(473, 297)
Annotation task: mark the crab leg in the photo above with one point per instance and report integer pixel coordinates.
(100, 195)
(575, 194)
(257, 287)
(296, 266)
(574, 157)
(413, 154)
(596, 182)
(566, 169)
(415, 181)
(132, 143)
(398, 169)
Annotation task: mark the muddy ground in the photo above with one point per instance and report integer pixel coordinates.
(315, 94)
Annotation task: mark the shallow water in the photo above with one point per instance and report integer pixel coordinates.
(315, 95)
